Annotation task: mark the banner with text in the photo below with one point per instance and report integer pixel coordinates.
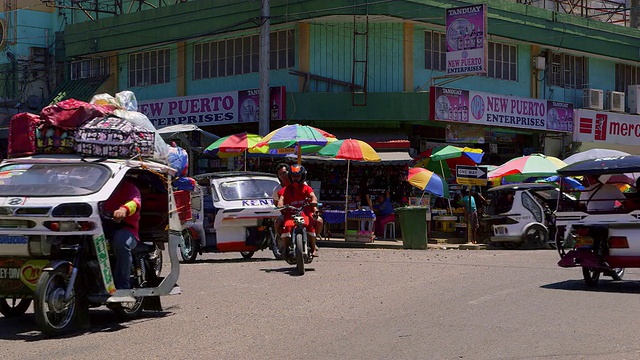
(606, 127)
(213, 109)
(475, 107)
(466, 29)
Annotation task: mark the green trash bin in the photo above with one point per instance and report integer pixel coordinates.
(413, 225)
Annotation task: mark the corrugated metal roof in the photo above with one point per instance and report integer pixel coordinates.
(80, 89)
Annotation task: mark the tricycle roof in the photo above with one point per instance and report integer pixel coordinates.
(524, 186)
(72, 158)
(605, 165)
(224, 174)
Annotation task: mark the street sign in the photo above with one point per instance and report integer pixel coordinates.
(471, 175)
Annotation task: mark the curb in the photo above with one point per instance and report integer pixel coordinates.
(395, 245)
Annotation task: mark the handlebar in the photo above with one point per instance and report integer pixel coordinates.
(297, 209)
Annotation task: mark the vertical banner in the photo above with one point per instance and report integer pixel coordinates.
(466, 29)
(248, 101)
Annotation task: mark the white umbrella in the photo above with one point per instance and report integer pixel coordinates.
(593, 154)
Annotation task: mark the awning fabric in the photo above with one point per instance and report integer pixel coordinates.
(379, 138)
(80, 89)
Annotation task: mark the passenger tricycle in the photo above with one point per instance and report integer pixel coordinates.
(232, 211)
(53, 245)
(603, 233)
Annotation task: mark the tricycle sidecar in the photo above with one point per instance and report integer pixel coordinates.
(603, 232)
(232, 211)
(52, 240)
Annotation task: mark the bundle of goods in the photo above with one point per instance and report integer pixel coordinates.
(107, 127)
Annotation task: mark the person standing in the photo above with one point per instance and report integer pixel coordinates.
(470, 215)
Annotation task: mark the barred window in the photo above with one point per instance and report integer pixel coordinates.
(626, 75)
(88, 68)
(567, 71)
(435, 51)
(502, 61)
(241, 55)
(149, 68)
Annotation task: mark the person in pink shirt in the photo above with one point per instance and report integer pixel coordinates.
(125, 205)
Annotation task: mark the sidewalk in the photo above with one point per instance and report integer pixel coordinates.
(435, 244)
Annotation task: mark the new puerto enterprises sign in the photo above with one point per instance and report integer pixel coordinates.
(475, 107)
(606, 127)
(466, 29)
(213, 109)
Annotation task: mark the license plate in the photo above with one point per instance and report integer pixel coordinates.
(584, 241)
(13, 240)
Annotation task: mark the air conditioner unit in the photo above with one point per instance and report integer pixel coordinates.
(615, 101)
(634, 98)
(592, 99)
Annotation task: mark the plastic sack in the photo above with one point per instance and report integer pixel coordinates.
(139, 119)
(127, 100)
(105, 100)
(184, 183)
(178, 159)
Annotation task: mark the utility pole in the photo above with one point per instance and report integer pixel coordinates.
(635, 14)
(264, 107)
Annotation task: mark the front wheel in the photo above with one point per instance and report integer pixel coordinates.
(299, 254)
(247, 254)
(536, 237)
(53, 314)
(617, 273)
(189, 247)
(14, 307)
(590, 276)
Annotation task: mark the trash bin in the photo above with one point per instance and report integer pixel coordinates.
(413, 225)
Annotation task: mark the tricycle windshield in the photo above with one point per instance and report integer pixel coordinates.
(248, 189)
(52, 179)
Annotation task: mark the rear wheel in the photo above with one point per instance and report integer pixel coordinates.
(53, 314)
(189, 247)
(536, 237)
(617, 273)
(299, 254)
(14, 307)
(590, 276)
(247, 254)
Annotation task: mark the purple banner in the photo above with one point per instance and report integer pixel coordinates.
(466, 41)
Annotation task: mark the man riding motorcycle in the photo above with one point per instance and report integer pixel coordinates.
(295, 194)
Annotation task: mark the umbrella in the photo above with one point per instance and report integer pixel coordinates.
(593, 154)
(567, 182)
(349, 149)
(294, 135)
(443, 159)
(426, 181)
(534, 165)
(233, 145)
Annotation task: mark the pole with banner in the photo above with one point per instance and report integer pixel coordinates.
(471, 175)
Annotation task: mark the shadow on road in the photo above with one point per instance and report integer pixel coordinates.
(287, 270)
(604, 286)
(227, 261)
(24, 328)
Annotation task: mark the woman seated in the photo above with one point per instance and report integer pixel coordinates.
(384, 213)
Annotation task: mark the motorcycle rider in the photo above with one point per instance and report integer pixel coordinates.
(295, 194)
(125, 204)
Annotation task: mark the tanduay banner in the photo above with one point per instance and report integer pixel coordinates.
(466, 29)
(606, 127)
(229, 107)
(475, 107)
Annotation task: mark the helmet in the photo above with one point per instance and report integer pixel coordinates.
(297, 170)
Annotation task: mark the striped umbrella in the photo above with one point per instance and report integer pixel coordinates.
(233, 145)
(295, 135)
(349, 149)
(530, 166)
(426, 181)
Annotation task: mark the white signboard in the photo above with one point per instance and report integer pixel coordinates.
(606, 127)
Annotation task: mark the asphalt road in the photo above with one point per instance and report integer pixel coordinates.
(357, 304)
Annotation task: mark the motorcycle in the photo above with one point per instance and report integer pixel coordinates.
(299, 251)
(53, 245)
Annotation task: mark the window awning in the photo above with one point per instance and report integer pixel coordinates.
(80, 89)
(380, 138)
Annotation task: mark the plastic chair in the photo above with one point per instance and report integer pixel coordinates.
(391, 227)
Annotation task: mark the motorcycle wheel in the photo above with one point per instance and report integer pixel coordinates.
(14, 307)
(53, 315)
(617, 273)
(299, 254)
(591, 277)
(189, 247)
(247, 254)
(129, 310)
(156, 260)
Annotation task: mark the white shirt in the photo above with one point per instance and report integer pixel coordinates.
(604, 198)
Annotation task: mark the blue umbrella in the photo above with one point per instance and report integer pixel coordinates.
(566, 181)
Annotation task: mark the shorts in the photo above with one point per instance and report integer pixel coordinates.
(309, 224)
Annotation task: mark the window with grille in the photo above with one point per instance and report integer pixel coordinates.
(502, 61)
(241, 55)
(567, 71)
(435, 51)
(88, 68)
(150, 68)
(626, 75)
